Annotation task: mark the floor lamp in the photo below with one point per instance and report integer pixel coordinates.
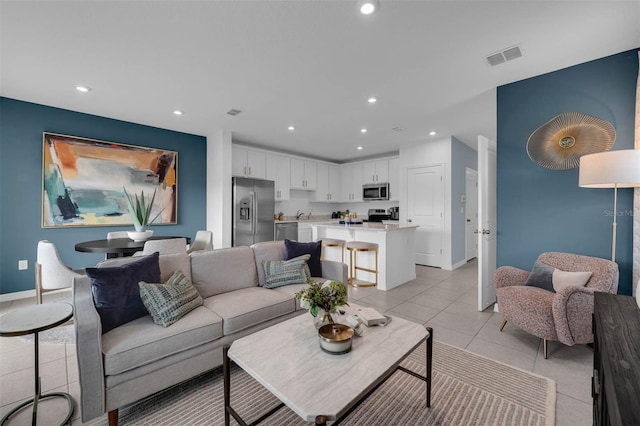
(611, 169)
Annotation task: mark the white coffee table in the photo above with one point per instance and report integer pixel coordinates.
(287, 360)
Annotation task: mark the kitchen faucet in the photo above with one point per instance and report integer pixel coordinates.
(299, 214)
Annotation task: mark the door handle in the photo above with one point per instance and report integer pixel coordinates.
(486, 231)
(475, 231)
(409, 220)
(468, 220)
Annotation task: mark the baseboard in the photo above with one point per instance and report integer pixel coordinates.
(458, 265)
(8, 297)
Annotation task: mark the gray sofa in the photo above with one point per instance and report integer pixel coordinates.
(140, 358)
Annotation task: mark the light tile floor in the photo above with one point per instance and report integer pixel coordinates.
(444, 300)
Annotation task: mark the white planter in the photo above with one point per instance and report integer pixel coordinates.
(140, 236)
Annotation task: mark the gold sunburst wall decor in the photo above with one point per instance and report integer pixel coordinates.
(559, 143)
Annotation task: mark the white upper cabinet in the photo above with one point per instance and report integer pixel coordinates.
(247, 162)
(328, 186)
(375, 171)
(278, 169)
(303, 174)
(352, 182)
(394, 179)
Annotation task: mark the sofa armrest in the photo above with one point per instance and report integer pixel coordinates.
(506, 276)
(88, 350)
(336, 271)
(572, 314)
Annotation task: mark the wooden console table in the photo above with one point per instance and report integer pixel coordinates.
(616, 360)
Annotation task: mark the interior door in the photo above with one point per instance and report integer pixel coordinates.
(487, 220)
(425, 208)
(471, 213)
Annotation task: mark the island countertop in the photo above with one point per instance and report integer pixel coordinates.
(367, 226)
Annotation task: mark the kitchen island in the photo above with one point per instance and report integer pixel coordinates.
(396, 249)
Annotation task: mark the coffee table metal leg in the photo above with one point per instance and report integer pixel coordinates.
(227, 383)
(429, 344)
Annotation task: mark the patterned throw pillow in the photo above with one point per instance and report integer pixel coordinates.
(169, 302)
(278, 273)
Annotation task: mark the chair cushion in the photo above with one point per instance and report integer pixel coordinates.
(247, 307)
(279, 273)
(115, 290)
(552, 279)
(169, 302)
(295, 249)
(141, 342)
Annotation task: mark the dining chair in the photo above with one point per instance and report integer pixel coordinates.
(202, 242)
(165, 246)
(117, 234)
(51, 273)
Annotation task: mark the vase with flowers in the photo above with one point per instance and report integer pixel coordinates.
(140, 210)
(322, 299)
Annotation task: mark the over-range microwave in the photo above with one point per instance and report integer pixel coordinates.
(375, 191)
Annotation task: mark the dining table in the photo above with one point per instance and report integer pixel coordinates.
(118, 247)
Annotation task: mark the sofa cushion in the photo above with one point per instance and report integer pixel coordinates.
(141, 342)
(247, 307)
(115, 290)
(169, 263)
(223, 270)
(267, 250)
(279, 273)
(169, 302)
(552, 279)
(314, 249)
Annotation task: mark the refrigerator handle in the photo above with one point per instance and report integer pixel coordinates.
(254, 222)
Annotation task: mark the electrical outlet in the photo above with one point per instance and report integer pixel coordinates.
(23, 264)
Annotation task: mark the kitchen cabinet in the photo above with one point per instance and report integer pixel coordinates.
(277, 170)
(305, 232)
(376, 171)
(394, 179)
(247, 162)
(352, 182)
(303, 174)
(328, 183)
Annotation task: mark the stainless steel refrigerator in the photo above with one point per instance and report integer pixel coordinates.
(253, 207)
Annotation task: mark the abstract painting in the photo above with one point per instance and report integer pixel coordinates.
(83, 181)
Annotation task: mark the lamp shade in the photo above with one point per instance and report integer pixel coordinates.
(610, 169)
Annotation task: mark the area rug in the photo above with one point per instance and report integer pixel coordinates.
(467, 389)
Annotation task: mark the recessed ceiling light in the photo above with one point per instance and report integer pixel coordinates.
(292, 128)
(433, 133)
(372, 100)
(363, 130)
(367, 7)
(359, 148)
(83, 89)
(178, 112)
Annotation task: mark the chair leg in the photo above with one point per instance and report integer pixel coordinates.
(504, 322)
(544, 348)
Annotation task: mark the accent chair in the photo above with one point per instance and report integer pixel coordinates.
(563, 316)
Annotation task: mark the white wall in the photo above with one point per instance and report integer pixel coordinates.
(219, 187)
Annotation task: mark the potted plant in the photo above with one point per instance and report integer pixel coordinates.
(140, 210)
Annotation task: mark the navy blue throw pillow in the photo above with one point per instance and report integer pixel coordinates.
(116, 293)
(294, 249)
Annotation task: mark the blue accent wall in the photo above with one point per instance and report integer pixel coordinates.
(21, 128)
(462, 156)
(544, 210)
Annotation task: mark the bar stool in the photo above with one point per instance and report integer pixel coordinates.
(332, 242)
(360, 246)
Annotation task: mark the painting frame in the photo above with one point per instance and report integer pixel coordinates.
(83, 181)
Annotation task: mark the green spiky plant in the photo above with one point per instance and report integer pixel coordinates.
(140, 209)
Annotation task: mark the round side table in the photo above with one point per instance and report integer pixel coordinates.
(32, 320)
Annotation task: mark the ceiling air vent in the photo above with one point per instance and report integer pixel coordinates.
(503, 56)
(397, 129)
(234, 112)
